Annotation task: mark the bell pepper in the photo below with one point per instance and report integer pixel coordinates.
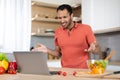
(12, 68)
(4, 61)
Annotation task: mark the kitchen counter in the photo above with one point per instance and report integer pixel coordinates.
(112, 65)
(69, 76)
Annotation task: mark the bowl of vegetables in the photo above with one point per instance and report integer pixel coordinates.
(97, 66)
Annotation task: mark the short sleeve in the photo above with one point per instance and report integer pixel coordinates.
(56, 39)
(90, 35)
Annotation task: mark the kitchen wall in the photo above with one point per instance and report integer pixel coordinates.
(46, 40)
(110, 40)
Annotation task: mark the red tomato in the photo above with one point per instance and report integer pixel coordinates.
(74, 73)
(59, 72)
(2, 70)
(64, 73)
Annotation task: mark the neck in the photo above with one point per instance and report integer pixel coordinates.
(70, 26)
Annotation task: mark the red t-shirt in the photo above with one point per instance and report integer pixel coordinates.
(73, 44)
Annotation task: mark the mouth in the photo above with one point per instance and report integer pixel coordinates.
(64, 24)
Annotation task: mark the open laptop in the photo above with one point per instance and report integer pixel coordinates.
(30, 62)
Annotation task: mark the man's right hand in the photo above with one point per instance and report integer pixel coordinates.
(40, 47)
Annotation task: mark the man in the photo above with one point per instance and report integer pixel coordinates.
(73, 41)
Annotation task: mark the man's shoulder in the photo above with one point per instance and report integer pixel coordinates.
(83, 25)
(59, 29)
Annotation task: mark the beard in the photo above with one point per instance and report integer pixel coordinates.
(66, 24)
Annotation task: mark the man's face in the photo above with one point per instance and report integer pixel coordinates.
(65, 18)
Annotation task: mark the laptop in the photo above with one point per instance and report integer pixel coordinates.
(31, 62)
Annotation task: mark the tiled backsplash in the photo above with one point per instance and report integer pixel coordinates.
(110, 40)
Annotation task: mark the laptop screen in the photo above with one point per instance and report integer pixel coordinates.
(30, 62)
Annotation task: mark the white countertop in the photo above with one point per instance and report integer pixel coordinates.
(57, 63)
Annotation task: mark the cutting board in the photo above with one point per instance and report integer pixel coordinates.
(84, 74)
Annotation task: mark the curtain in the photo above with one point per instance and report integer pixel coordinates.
(15, 25)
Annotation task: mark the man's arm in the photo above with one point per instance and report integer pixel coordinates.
(40, 47)
(94, 48)
(56, 52)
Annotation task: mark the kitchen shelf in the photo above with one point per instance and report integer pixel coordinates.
(43, 34)
(44, 19)
(44, 4)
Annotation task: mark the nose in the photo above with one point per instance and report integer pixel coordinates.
(62, 20)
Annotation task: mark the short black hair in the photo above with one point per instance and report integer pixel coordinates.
(65, 6)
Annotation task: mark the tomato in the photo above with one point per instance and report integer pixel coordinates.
(59, 72)
(64, 74)
(2, 70)
(74, 73)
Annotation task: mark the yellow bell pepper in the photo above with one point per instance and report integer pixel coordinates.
(4, 63)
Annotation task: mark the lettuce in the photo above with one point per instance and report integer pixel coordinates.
(3, 57)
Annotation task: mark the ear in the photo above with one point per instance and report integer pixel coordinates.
(72, 15)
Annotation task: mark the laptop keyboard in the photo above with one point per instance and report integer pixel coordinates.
(53, 72)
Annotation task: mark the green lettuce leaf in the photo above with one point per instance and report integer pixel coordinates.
(3, 57)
